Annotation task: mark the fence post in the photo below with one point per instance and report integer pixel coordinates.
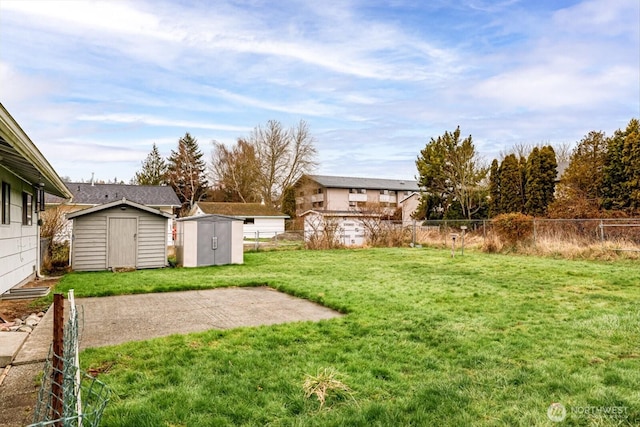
(58, 361)
(413, 234)
(601, 232)
(257, 246)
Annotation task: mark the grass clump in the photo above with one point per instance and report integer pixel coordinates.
(324, 385)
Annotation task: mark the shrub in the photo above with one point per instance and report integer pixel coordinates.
(513, 228)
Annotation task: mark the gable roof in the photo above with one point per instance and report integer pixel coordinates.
(123, 202)
(85, 193)
(367, 183)
(251, 210)
(20, 156)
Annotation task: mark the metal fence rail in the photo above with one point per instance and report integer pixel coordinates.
(68, 397)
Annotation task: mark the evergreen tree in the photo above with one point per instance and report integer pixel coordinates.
(621, 177)
(541, 171)
(289, 202)
(548, 174)
(510, 185)
(534, 188)
(631, 157)
(583, 177)
(186, 172)
(450, 168)
(153, 170)
(494, 189)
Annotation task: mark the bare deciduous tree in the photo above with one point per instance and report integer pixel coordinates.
(283, 157)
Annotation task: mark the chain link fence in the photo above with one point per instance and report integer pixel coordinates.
(68, 397)
(621, 234)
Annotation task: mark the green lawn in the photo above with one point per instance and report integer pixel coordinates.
(479, 340)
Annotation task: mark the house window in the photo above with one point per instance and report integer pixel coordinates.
(319, 191)
(249, 221)
(384, 192)
(27, 208)
(6, 203)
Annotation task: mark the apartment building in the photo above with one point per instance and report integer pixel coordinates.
(339, 193)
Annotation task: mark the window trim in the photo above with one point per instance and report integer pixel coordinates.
(5, 214)
(27, 208)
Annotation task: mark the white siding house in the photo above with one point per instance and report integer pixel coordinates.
(24, 177)
(259, 220)
(344, 227)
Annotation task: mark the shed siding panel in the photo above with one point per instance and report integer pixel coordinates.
(89, 243)
(152, 241)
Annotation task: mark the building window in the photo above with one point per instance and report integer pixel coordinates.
(6, 203)
(319, 191)
(249, 221)
(384, 192)
(357, 191)
(27, 208)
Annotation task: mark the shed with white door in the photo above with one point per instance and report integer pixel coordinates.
(209, 240)
(120, 234)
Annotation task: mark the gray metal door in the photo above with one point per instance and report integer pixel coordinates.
(223, 238)
(122, 242)
(206, 254)
(214, 243)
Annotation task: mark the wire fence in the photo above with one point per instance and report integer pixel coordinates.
(68, 397)
(616, 234)
(621, 234)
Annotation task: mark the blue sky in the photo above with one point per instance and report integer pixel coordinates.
(96, 83)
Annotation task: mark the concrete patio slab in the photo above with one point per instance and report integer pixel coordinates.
(120, 319)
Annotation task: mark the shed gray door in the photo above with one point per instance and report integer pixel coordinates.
(206, 253)
(214, 243)
(223, 235)
(123, 244)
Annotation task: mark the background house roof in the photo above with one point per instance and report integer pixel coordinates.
(19, 155)
(123, 202)
(84, 193)
(240, 209)
(367, 183)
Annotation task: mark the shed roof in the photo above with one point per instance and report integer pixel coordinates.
(85, 193)
(367, 183)
(240, 209)
(210, 217)
(123, 202)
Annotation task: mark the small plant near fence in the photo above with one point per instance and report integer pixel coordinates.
(513, 228)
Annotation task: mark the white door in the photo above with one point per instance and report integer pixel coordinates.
(122, 242)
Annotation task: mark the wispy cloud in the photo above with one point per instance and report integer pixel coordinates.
(158, 121)
(375, 80)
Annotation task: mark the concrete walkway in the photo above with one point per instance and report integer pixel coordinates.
(119, 319)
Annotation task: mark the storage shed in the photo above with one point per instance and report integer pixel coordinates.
(209, 240)
(120, 234)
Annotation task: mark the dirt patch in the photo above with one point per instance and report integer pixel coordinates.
(20, 309)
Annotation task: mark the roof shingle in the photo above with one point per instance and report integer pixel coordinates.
(368, 183)
(98, 194)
